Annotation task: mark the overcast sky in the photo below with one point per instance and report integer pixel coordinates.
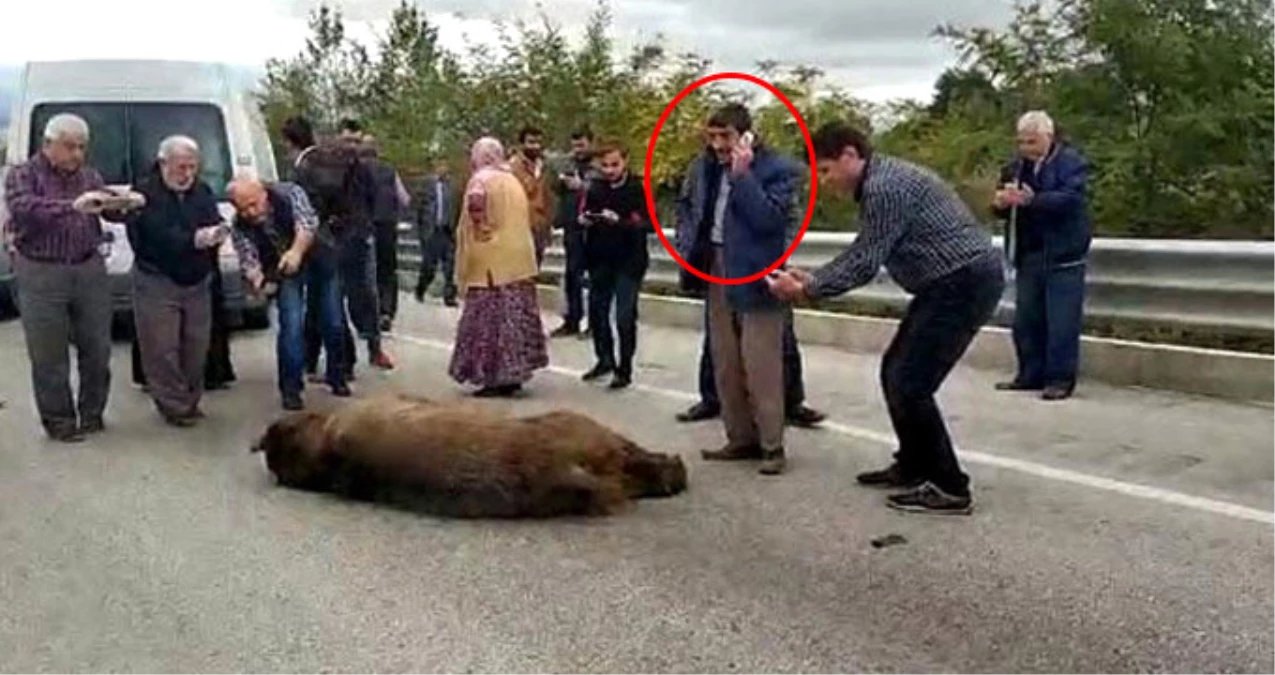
(880, 49)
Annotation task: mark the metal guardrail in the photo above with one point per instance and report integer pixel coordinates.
(1222, 287)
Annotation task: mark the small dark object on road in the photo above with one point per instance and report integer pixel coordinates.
(466, 459)
(888, 540)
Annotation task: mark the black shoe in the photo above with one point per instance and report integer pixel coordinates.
(419, 294)
(802, 416)
(698, 413)
(891, 477)
(597, 371)
(1057, 392)
(565, 330)
(450, 301)
(736, 454)
(928, 498)
(293, 402)
(621, 380)
(341, 390)
(1017, 385)
(387, 324)
(773, 463)
(66, 435)
(92, 426)
(182, 421)
(216, 385)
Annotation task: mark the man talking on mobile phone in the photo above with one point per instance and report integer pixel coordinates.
(733, 218)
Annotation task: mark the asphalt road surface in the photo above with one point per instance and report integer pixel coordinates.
(1122, 530)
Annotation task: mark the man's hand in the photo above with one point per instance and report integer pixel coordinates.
(211, 236)
(610, 215)
(290, 263)
(256, 280)
(572, 182)
(788, 286)
(1001, 199)
(741, 158)
(91, 203)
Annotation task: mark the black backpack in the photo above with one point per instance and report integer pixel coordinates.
(339, 187)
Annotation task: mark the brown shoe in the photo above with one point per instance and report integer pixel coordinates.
(773, 463)
(729, 454)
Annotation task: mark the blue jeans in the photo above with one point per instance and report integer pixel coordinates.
(1048, 315)
(323, 297)
(607, 285)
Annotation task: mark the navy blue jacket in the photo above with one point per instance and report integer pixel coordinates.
(759, 217)
(162, 233)
(1056, 221)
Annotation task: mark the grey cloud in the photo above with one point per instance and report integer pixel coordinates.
(859, 43)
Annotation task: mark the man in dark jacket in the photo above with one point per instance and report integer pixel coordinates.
(436, 214)
(569, 186)
(733, 221)
(391, 202)
(617, 226)
(172, 300)
(1043, 197)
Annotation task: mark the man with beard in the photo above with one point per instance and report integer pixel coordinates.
(570, 183)
(528, 167)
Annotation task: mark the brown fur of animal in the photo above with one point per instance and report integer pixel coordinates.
(466, 459)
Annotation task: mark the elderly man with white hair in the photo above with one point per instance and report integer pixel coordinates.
(175, 240)
(63, 290)
(1043, 197)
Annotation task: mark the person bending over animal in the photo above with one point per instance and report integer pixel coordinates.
(466, 460)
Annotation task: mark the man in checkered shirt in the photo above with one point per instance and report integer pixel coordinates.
(915, 225)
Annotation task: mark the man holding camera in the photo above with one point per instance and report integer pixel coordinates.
(64, 292)
(278, 223)
(616, 254)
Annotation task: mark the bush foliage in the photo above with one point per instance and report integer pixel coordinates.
(1171, 100)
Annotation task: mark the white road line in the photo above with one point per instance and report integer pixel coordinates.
(975, 457)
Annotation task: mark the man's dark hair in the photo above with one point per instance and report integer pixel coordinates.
(298, 131)
(608, 146)
(529, 130)
(732, 115)
(582, 132)
(832, 139)
(351, 124)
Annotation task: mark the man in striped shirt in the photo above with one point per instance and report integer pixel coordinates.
(54, 200)
(916, 226)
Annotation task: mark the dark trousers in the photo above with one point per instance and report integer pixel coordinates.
(574, 275)
(607, 287)
(1048, 317)
(937, 328)
(355, 271)
(325, 326)
(437, 248)
(62, 305)
(794, 380)
(174, 327)
(387, 268)
(218, 369)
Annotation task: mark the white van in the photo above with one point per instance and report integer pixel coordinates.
(130, 107)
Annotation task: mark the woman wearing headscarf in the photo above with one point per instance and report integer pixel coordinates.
(500, 341)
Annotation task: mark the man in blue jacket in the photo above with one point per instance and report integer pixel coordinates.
(733, 219)
(1047, 242)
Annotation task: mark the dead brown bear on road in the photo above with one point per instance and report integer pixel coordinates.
(466, 460)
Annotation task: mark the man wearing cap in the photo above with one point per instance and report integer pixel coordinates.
(277, 223)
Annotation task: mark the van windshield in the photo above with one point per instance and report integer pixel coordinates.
(124, 137)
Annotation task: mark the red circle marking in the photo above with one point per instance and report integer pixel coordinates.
(650, 196)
